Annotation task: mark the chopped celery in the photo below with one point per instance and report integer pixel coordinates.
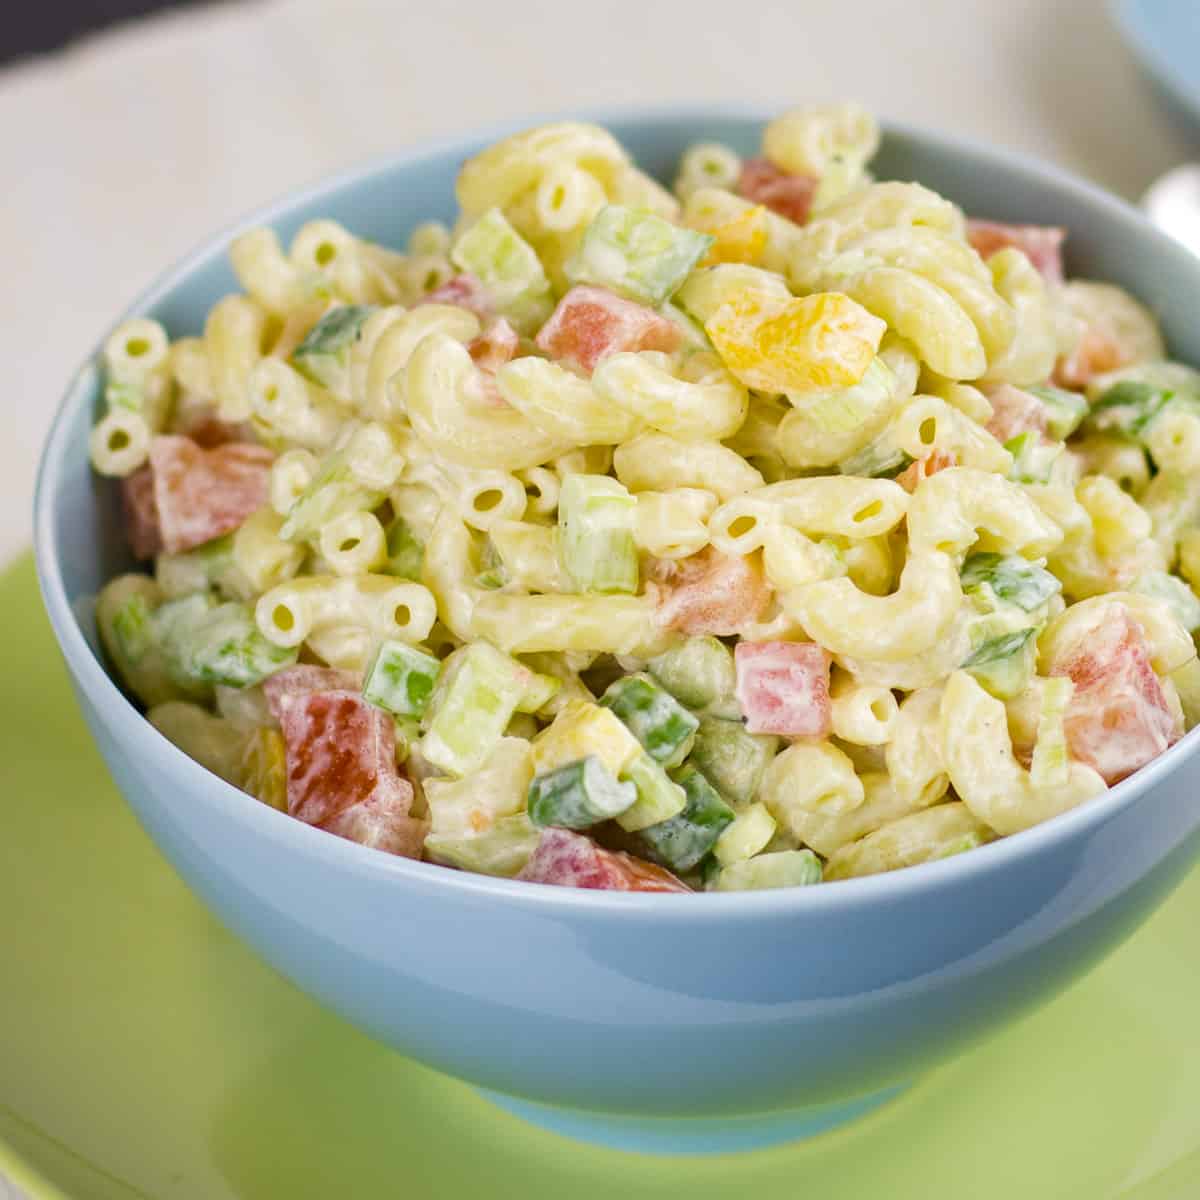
(208, 643)
(1033, 458)
(476, 696)
(596, 520)
(880, 459)
(582, 728)
(578, 795)
(209, 565)
(501, 850)
(1051, 765)
(324, 354)
(1009, 578)
(334, 489)
(682, 841)
(654, 717)
(1065, 410)
(840, 410)
(405, 552)
(658, 796)
(132, 630)
(492, 573)
(539, 691)
(731, 759)
(746, 835)
(1183, 602)
(509, 269)
(1004, 664)
(1127, 409)
(779, 869)
(700, 673)
(637, 254)
(264, 768)
(401, 679)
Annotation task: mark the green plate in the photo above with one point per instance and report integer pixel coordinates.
(145, 1053)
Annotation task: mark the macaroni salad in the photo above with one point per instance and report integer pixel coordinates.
(786, 526)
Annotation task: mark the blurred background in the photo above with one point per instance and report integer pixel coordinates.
(131, 129)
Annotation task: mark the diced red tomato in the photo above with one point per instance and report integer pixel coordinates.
(1119, 717)
(496, 345)
(141, 514)
(383, 823)
(783, 687)
(790, 196)
(1096, 354)
(591, 323)
(201, 494)
(1041, 244)
(341, 755)
(931, 464)
(710, 592)
(466, 291)
(301, 680)
(572, 860)
(1013, 412)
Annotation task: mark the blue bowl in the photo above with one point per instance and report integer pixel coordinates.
(654, 1022)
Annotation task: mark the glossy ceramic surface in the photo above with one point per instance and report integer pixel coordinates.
(662, 1006)
(1165, 35)
(146, 1053)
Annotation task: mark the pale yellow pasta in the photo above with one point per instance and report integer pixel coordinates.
(657, 462)
(287, 407)
(567, 198)
(846, 620)
(1123, 462)
(1030, 352)
(862, 713)
(709, 209)
(914, 753)
(1189, 558)
(814, 140)
(119, 443)
(673, 524)
(429, 237)
(419, 505)
(529, 554)
(233, 341)
(844, 505)
(977, 751)
(1115, 315)
(920, 837)
(808, 783)
(698, 400)
(261, 556)
(352, 543)
(706, 290)
(485, 498)
(188, 362)
(136, 353)
(268, 276)
(1168, 643)
(1174, 441)
(791, 559)
(707, 164)
(963, 397)
(927, 424)
(562, 405)
(541, 490)
(1117, 520)
(869, 562)
(328, 252)
(291, 473)
(471, 806)
(449, 409)
(585, 460)
(955, 507)
(1186, 682)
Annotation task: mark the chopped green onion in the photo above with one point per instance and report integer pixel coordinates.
(731, 759)
(1065, 410)
(658, 796)
(636, 253)
(654, 717)
(779, 869)
(596, 520)
(578, 795)
(745, 836)
(509, 268)
(1010, 578)
(324, 354)
(682, 841)
(1004, 664)
(880, 459)
(1128, 408)
(401, 679)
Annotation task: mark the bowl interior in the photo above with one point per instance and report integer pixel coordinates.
(79, 539)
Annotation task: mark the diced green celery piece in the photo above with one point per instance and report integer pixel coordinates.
(1183, 602)
(334, 490)
(1065, 410)
(209, 643)
(596, 519)
(840, 410)
(475, 698)
(501, 850)
(880, 459)
(132, 630)
(578, 795)
(658, 796)
(700, 673)
(654, 717)
(1010, 578)
(1128, 408)
(682, 841)
(509, 268)
(324, 354)
(779, 869)
(1169, 376)
(1051, 764)
(539, 691)
(637, 254)
(1004, 665)
(746, 835)
(405, 551)
(1033, 458)
(731, 759)
(195, 570)
(492, 573)
(401, 679)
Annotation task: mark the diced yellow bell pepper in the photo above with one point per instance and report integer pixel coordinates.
(580, 729)
(740, 239)
(264, 768)
(795, 344)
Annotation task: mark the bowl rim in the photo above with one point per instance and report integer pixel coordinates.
(138, 736)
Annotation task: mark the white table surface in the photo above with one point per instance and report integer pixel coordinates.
(121, 154)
